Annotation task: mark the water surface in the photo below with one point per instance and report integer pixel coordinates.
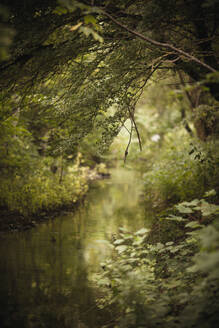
(46, 273)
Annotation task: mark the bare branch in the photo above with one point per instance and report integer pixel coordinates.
(126, 128)
(132, 117)
(129, 142)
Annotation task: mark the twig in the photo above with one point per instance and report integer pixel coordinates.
(131, 113)
(126, 128)
(192, 104)
(129, 142)
(159, 44)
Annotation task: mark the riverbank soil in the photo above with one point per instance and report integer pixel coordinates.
(11, 221)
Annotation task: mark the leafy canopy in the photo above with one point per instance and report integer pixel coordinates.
(88, 56)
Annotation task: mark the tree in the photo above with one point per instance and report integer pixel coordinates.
(62, 46)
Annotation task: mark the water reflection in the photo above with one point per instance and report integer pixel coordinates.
(45, 273)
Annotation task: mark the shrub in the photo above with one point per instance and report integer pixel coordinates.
(170, 284)
(42, 191)
(182, 174)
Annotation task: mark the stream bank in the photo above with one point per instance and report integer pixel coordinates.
(46, 275)
(15, 221)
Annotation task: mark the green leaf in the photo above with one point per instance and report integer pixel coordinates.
(121, 249)
(183, 209)
(127, 267)
(175, 218)
(60, 10)
(169, 243)
(173, 284)
(209, 209)
(193, 225)
(159, 246)
(97, 37)
(209, 193)
(142, 231)
(87, 31)
(194, 202)
(191, 240)
(90, 19)
(118, 241)
(139, 240)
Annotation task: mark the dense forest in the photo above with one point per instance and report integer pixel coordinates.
(86, 86)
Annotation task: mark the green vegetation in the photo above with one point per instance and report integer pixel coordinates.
(42, 191)
(164, 284)
(85, 83)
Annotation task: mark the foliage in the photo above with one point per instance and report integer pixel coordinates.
(74, 74)
(41, 190)
(85, 62)
(33, 181)
(182, 172)
(171, 284)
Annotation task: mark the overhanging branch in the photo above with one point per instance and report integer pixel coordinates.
(160, 44)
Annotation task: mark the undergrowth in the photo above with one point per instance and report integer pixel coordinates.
(168, 283)
(42, 190)
(182, 172)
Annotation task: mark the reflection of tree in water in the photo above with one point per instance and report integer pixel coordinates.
(45, 275)
(47, 290)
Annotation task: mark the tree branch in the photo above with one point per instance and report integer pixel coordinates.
(129, 142)
(159, 44)
(132, 117)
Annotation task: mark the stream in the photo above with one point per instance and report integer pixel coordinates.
(46, 273)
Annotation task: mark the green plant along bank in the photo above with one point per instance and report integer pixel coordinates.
(170, 283)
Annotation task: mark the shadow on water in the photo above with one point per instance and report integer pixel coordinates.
(46, 273)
